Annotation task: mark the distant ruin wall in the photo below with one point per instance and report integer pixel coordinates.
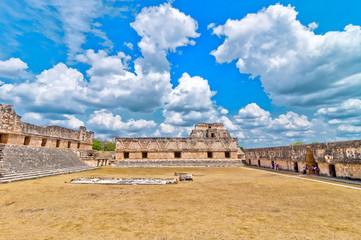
(339, 159)
(15, 132)
(207, 142)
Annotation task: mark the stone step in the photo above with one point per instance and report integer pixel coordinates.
(29, 158)
(4, 173)
(11, 175)
(37, 174)
(33, 176)
(43, 172)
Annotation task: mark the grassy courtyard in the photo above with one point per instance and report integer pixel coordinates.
(221, 203)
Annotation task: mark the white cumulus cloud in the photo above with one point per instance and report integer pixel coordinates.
(105, 122)
(12, 68)
(347, 109)
(256, 127)
(296, 66)
(112, 85)
(70, 121)
(55, 90)
(345, 117)
(164, 27)
(190, 102)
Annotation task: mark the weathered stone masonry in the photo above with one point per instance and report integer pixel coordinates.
(335, 159)
(28, 151)
(209, 144)
(15, 132)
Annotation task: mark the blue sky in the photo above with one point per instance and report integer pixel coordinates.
(274, 72)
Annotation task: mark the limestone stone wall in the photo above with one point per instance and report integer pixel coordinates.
(96, 158)
(208, 142)
(179, 163)
(335, 159)
(15, 132)
(15, 158)
(165, 148)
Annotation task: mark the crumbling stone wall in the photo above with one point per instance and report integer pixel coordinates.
(208, 141)
(96, 158)
(338, 159)
(15, 132)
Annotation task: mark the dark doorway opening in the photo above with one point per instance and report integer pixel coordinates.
(144, 155)
(126, 155)
(78, 145)
(259, 163)
(43, 142)
(249, 162)
(227, 154)
(69, 144)
(26, 140)
(273, 164)
(57, 143)
(4, 138)
(295, 166)
(177, 155)
(332, 170)
(209, 154)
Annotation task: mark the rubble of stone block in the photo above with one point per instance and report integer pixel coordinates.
(185, 178)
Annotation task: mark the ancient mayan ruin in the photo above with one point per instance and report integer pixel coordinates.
(29, 151)
(209, 144)
(334, 159)
(15, 132)
(26, 147)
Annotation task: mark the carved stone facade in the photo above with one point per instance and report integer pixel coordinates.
(15, 132)
(208, 142)
(334, 159)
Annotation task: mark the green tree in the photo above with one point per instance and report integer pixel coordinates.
(297, 143)
(103, 145)
(109, 146)
(97, 145)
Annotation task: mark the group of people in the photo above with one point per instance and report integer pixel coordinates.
(276, 166)
(315, 169)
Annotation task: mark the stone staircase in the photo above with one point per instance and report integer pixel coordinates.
(7, 177)
(23, 162)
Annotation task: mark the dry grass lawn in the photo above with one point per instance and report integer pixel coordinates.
(222, 203)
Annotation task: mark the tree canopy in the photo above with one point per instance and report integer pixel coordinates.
(103, 145)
